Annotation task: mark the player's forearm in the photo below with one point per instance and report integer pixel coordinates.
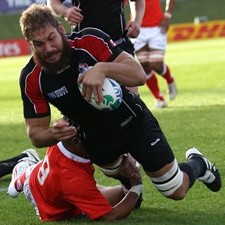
(125, 70)
(170, 4)
(40, 132)
(137, 10)
(140, 10)
(41, 137)
(124, 207)
(57, 7)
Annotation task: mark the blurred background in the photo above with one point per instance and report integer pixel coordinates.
(186, 11)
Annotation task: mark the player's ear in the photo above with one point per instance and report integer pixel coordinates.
(61, 28)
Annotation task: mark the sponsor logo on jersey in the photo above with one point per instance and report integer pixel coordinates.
(82, 67)
(63, 69)
(58, 93)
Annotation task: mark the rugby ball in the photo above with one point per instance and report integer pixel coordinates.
(112, 95)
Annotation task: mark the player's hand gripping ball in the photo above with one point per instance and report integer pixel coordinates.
(112, 95)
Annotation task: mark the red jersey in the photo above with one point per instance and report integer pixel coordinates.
(63, 186)
(153, 13)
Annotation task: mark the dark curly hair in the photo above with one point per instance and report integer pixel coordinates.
(36, 17)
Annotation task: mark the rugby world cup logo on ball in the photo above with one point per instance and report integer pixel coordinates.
(112, 95)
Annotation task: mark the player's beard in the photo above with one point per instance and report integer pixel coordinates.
(53, 68)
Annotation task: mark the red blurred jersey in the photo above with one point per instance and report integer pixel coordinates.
(153, 13)
(63, 186)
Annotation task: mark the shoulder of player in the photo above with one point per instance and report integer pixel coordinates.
(88, 31)
(29, 69)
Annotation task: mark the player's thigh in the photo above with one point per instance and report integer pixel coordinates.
(151, 148)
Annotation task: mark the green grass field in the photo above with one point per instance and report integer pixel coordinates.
(195, 118)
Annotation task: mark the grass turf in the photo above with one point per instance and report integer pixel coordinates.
(195, 118)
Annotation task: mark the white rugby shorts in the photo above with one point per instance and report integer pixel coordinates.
(152, 37)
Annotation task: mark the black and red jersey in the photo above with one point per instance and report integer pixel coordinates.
(40, 89)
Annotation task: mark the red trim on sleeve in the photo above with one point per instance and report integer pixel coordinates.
(33, 91)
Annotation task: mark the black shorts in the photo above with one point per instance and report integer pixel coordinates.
(145, 142)
(151, 148)
(127, 46)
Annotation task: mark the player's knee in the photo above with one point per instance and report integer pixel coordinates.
(157, 67)
(170, 184)
(179, 194)
(125, 166)
(113, 169)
